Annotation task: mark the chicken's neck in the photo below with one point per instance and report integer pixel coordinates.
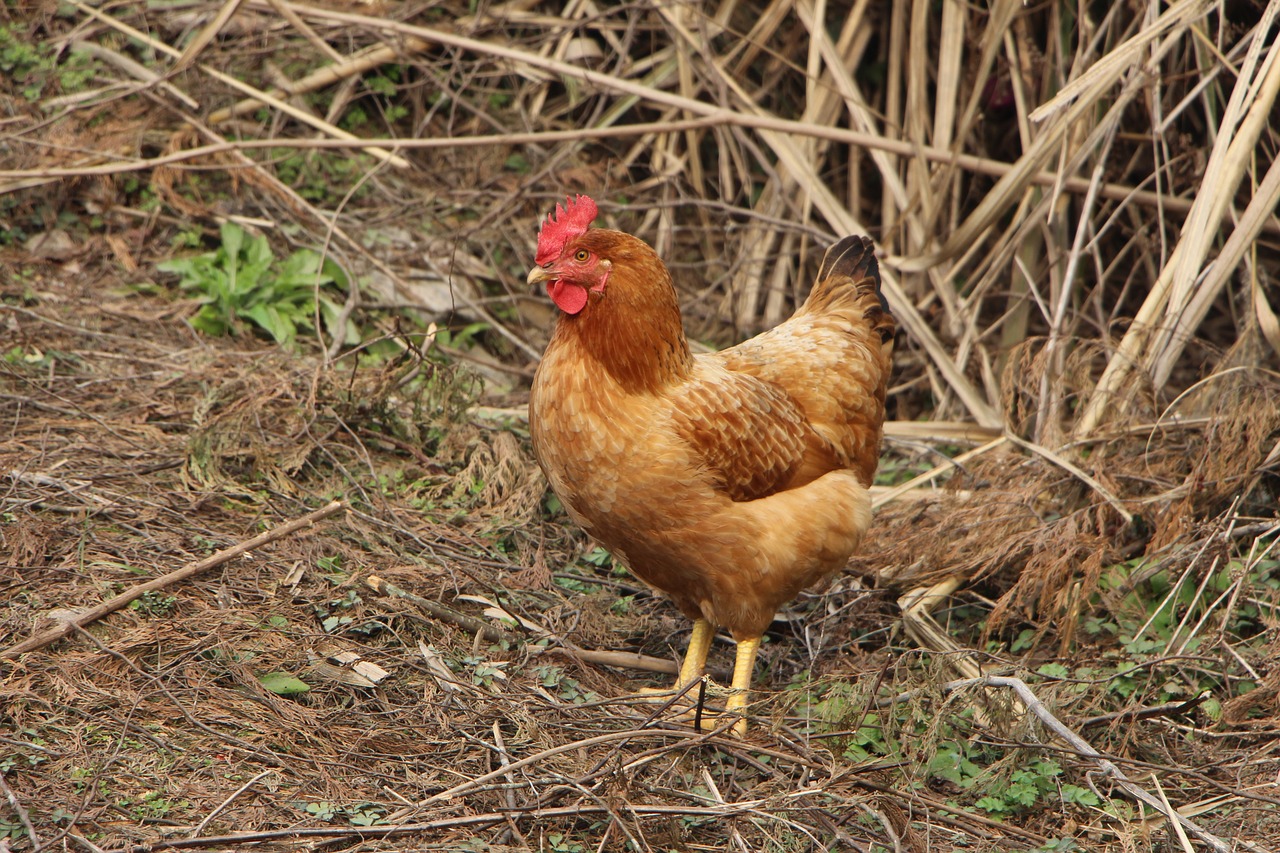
(634, 333)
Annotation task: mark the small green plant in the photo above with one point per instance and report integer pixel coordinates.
(323, 178)
(12, 828)
(153, 603)
(152, 805)
(329, 565)
(569, 689)
(560, 843)
(484, 672)
(1026, 786)
(332, 614)
(33, 65)
(243, 281)
(358, 814)
(32, 759)
(324, 810)
(36, 360)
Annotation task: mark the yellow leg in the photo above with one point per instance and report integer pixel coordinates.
(743, 666)
(695, 658)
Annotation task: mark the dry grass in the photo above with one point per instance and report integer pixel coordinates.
(1075, 207)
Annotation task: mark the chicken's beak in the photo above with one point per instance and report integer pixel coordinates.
(537, 275)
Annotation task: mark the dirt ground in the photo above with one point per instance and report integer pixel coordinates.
(386, 633)
(134, 446)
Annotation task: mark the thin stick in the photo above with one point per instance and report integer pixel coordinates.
(622, 660)
(950, 465)
(305, 117)
(1082, 746)
(133, 69)
(442, 611)
(23, 817)
(191, 570)
(195, 833)
(344, 69)
(245, 88)
(295, 20)
(206, 35)
(720, 118)
(538, 816)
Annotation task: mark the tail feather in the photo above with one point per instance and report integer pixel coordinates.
(852, 261)
(852, 257)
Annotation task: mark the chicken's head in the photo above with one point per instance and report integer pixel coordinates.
(570, 269)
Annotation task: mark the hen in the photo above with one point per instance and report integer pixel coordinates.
(730, 481)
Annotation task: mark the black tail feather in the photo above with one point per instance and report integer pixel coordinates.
(855, 258)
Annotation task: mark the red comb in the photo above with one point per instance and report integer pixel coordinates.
(562, 226)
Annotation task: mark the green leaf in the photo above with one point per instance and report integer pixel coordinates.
(302, 269)
(1076, 794)
(182, 266)
(992, 805)
(283, 684)
(209, 321)
(232, 238)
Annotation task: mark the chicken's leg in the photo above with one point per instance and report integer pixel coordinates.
(695, 659)
(743, 666)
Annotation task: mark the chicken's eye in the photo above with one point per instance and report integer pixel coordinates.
(581, 255)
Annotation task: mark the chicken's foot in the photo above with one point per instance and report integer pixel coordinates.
(695, 664)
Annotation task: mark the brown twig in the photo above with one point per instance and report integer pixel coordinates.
(442, 611)
(1035, 706)
(191, 570)
(23, 816)
(599, 657)
(486, 819)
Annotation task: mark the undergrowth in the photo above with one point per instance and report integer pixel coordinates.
(1141, 601)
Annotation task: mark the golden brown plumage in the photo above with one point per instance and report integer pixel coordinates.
(729, 481)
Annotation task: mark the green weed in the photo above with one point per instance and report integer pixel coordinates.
(357, 814)
(34, 65)
(153, 603)
(324, 179)
(243, 281)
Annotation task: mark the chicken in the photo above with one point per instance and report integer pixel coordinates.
(730, 481)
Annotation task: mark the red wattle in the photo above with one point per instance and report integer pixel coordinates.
(570, 298)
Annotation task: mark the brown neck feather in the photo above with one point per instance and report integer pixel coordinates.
(633, 329)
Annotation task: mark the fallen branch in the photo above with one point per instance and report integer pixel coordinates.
(443, 612)
(326, 76)
(191, 570)
(475, 820)
(1035, 706)
(626, 660)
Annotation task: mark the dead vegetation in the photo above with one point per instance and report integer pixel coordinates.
(1064, 627)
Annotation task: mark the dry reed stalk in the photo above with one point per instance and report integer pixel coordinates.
(1175, 23)
(344, 68)
(254, 94)
(1158, 332)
